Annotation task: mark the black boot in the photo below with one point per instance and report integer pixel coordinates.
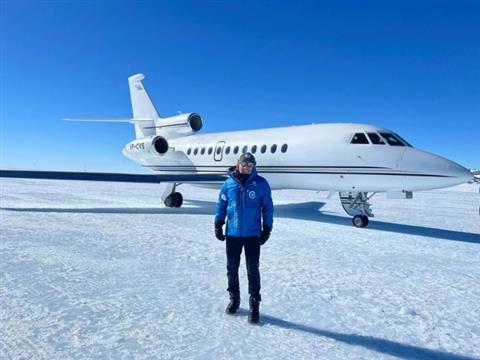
(234, 303)
(254, 313)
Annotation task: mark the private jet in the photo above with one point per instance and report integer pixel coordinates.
(355, 160)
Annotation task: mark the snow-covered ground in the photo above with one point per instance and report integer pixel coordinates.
(104, 270)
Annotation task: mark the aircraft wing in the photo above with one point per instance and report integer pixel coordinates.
(115, 177)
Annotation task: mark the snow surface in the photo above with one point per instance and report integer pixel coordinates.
(104, 270)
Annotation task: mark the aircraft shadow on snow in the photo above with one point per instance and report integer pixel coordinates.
(301, 211)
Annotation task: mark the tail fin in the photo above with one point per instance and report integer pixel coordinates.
(142, 107)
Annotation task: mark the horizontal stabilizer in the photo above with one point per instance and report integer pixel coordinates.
(131, 121)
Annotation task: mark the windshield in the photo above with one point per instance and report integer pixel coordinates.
(393, 139)
(375, 139)
(359, 138)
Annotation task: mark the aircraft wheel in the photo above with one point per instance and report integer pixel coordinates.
(177, 199)
(360, 221)
(174, 200)
(169, 201)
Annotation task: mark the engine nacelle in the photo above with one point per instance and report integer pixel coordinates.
(151, 145)
(160, 144)
(179, 125)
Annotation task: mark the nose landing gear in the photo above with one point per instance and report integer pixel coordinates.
(356, 204)
(360, 221)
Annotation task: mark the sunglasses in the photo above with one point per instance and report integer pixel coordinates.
(247, 163)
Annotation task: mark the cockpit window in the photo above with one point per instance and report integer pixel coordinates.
(375, 139)
(392, 139)
(359, 138)
(403, 140)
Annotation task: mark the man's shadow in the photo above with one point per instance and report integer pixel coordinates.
(369, 342)
(302, 211)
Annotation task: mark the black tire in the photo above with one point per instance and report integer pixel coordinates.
(177, 199)
(366, 220)
(169, 201)
(360, 221)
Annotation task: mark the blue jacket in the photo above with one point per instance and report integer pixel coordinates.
(245, 205)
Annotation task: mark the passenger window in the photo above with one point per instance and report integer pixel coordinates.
(189, 151)
(227, 150)
(392, 140)
(284, 148)
(245, 149)
(375, 139)
(254, 149)
(359, 138)
(210, 150)
(263, 149)
(203, 151)
(195, 152)
(219, 150)
(235, 150)
(274, 148)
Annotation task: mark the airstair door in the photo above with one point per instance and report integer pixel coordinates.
(218, 154)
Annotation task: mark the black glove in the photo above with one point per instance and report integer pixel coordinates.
(219, 230)
(265, 234)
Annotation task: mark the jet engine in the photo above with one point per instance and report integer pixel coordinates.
(160, 144)
(179, 125)
(147, 146)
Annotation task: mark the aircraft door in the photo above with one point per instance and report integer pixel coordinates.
(218, 153)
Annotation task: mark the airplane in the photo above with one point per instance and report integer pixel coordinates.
(355, 160)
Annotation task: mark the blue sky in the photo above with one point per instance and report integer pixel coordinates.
(410, 66)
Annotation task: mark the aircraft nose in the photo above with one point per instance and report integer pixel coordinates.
(433, 165)
(459, 172)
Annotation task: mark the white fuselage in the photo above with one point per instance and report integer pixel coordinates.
(317, 157)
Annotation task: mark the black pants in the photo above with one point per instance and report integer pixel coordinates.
(252, 257)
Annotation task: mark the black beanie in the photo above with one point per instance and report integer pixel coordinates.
(247, 157)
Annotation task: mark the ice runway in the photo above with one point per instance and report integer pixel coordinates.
(104, 270)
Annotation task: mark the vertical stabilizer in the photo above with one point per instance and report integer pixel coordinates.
(142, 107)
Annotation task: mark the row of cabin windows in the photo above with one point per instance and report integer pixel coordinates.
(376, 139)
(236, 149)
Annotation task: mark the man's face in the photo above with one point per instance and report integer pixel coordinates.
(245, 167)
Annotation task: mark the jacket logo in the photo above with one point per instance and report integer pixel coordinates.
(251, 194)
(224, 198)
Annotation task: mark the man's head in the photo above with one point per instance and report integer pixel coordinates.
(246, 163)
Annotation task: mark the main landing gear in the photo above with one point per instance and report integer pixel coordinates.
(171, 198)
(355, 203)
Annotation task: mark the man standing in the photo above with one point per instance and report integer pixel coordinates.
(245, 199)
